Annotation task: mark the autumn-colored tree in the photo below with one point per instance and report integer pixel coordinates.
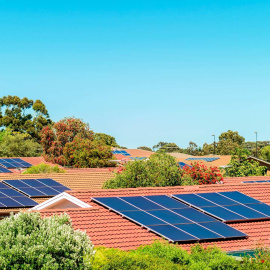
(23, 115)
(70, 142)
(107, 139)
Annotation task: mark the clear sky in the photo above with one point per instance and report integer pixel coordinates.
(142, 71)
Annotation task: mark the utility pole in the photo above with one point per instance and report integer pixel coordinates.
(256, 143)
(214, 144)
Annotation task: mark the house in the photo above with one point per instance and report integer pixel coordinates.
(108, 228)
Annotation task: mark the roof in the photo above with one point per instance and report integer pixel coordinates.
(106, 228)
(180, 155)
(222, 161)
(76, 181)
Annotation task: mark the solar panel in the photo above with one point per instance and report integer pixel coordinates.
(227, 206)
(257, 181)
(10, 198)
(182, 165)
(182, 223)
(37, 187)
(13, 163)
(4, 170)
(205, 159)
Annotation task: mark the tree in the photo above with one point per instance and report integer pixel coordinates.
(44, 168)
(193, 149)
(70, 142)
(241, 166)
(265, 153)
(159, 171)
(167, 147)
(144, 148)
(107, 139)
(16, 144)
(23, 115)
(29, 241)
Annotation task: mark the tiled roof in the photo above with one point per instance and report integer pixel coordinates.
(106, 228)
(180, 155)
(222, 161)
(139, 152)
(75, 181)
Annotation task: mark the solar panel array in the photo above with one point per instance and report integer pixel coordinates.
(13, 163)
(4, 170)
(10, 198)
(256, 181)
(205, 159)
(227, 206)
(182, 164)
(122, 152)
(37, 187)
(169, 218)
(138, 158)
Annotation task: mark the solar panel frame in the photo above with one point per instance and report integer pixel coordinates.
(13, 163)
(157, 228)
(36, 188)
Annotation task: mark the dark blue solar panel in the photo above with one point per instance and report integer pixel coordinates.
(194, 215)
(223, 214)
(247, 212)
(173, 233)
(166, 201)
(261, 207)
(116, 204)
(32, 183)
(239, 197)
(25, 201)
(15, 183)
(3, 195)
(8, 202)
(14, 163)
(223, 229)
(182, 165)
(11, 192)
(51, 183)
(152, 219)
(142, 203)
(37, 187)
(193, 199)
(169, 216)
(143, 218)
(32, 192)
(199, 231)
(23, 163)
(7, 165)
(3, 185)
(48, 191)
(217, 198)
(4, 170)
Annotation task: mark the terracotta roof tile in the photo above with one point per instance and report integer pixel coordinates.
(109, 229)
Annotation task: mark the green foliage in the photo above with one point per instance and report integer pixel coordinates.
(159, 171)
(28, 241)
(44, 168)
(265, 153)
(70, 142)
(165, 256)
(23, 115)
(167, 148)
(144, 148)
(106, 139)
(193, 149)
(16, 144)
(85, 153)
(241, 166)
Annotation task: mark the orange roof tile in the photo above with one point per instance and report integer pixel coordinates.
(106, 228)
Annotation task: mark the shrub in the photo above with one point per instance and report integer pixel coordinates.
(28, 241)
(165, 256)
(16, 144)
(44, 168)
(241, 166)
(199, 174)
(159, 171)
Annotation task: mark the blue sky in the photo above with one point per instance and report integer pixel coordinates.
(142, 71)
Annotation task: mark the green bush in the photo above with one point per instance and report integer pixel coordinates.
(164, 256)
(241, 166)
(44, 168)
(28, 241)
(159, 171)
